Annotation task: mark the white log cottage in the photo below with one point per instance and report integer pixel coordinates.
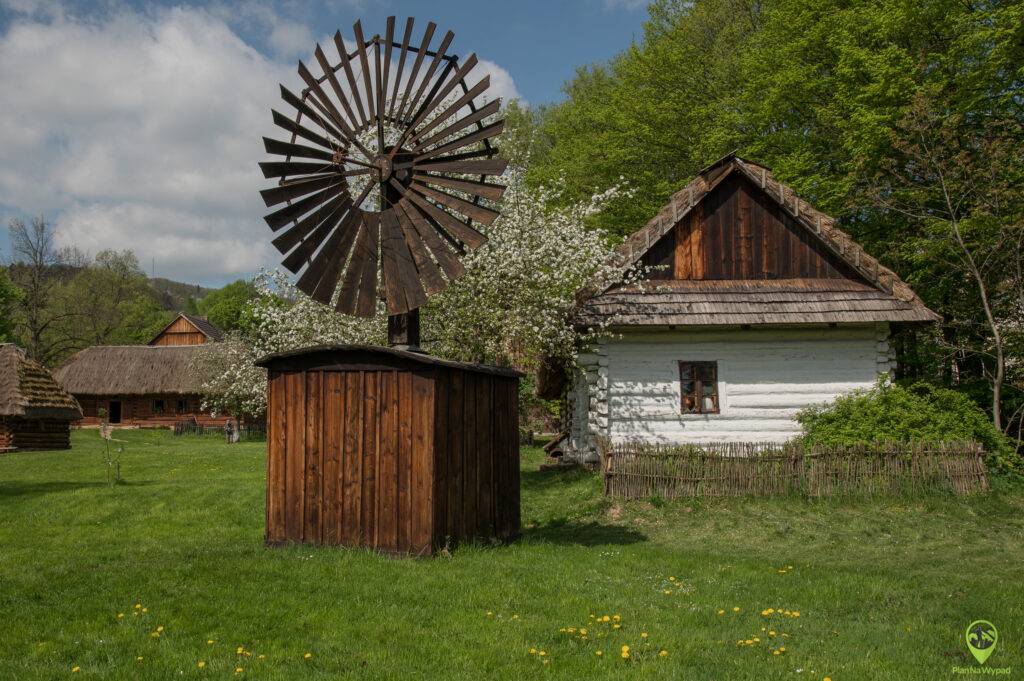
(757, 307)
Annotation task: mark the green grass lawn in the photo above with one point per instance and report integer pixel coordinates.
(884, 590)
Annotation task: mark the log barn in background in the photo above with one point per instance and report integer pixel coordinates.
(152, 385)
(35, 412)
(388, 449)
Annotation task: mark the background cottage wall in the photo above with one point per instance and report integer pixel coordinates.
(627, 388)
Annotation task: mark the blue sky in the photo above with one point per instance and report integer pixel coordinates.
(137, 125)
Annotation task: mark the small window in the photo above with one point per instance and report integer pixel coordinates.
(158, 406)
(182, 406)
(698, 382)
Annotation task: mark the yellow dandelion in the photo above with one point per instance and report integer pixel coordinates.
(663, 653)
(571, 630)
(238, 670)
(591, 615)
(616, 617)
(671, 579)
(616, 626)
(120, 615)
(782, 649)
(721, 612)
(599, 653)
(542, 653)
(625, 655)
(209, 641)
(583, 632)
(667, 592)
(515, 617)
(827, 678)
(201, 664)
(643, 634)
(771, 633)
(790, 567)
(145, 610)
(139, 658)
(776, 652)
(605, 618)
(749, 642)
(490, 614)
(625, 649)
(239, 650)
(248, 654)
(756, 640)
(75, 670)
(736, 609)
(782, 572)
(308, 656)
(138, 605)
(533, 651)
(155, 634)
(261, 657)
(160, 628)
(796, 613)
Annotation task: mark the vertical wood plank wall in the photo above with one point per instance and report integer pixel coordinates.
(738, 232)
(397, 460)
(180, 332)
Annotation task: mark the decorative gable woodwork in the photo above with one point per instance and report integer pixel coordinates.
(738, 232)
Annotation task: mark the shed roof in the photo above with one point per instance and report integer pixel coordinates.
(131, 370)
(339, 356)
(28, 390)
(879, 296)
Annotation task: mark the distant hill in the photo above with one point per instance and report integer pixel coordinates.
(174, 295)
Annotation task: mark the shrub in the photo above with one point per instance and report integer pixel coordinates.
(920, 412)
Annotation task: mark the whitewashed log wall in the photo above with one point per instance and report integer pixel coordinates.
(627, 387)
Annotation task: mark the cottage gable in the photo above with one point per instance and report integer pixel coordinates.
(737, 247)
(738, 232)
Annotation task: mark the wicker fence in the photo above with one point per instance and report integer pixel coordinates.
(255, 431)
(638, 471)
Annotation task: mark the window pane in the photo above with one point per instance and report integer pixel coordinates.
(685, 371)
(706, 371)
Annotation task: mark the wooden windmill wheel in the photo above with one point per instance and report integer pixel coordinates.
(382, 191)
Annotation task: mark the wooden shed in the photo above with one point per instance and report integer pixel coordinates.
(389, 449)
(35, 412)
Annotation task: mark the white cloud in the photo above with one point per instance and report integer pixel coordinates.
(142, 131)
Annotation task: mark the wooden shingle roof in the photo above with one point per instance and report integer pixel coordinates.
(28, 390)
(877, 295)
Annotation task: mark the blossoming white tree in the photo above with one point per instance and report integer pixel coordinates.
(512, 305)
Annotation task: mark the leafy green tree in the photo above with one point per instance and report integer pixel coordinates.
(9, 297)
(226, 306)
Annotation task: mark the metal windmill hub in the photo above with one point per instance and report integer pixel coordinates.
(383, 182)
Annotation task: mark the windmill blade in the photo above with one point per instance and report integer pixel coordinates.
(294, 190)
(349, 292)
(436, 97)
(476, 116)
(357, 28)
(325, 102)
(490, 166)
(293, 235)
(282, 121)
(283, 216)
(332, 78)
(432, 234)
(471, 138)
(431, 70)
(350, 77)
(382, 87)
(486, 190)
(321, 277)
(401, 66)
(285, 168)
(427, 270)
(366, 303)
(420, 53)
(456, 106)
(471, 210)
(280, 148)
(303, 108)
(305, 250)
(459, 230)
(402, 287)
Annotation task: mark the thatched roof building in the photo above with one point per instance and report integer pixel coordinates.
(131, 370)
(35, 412)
